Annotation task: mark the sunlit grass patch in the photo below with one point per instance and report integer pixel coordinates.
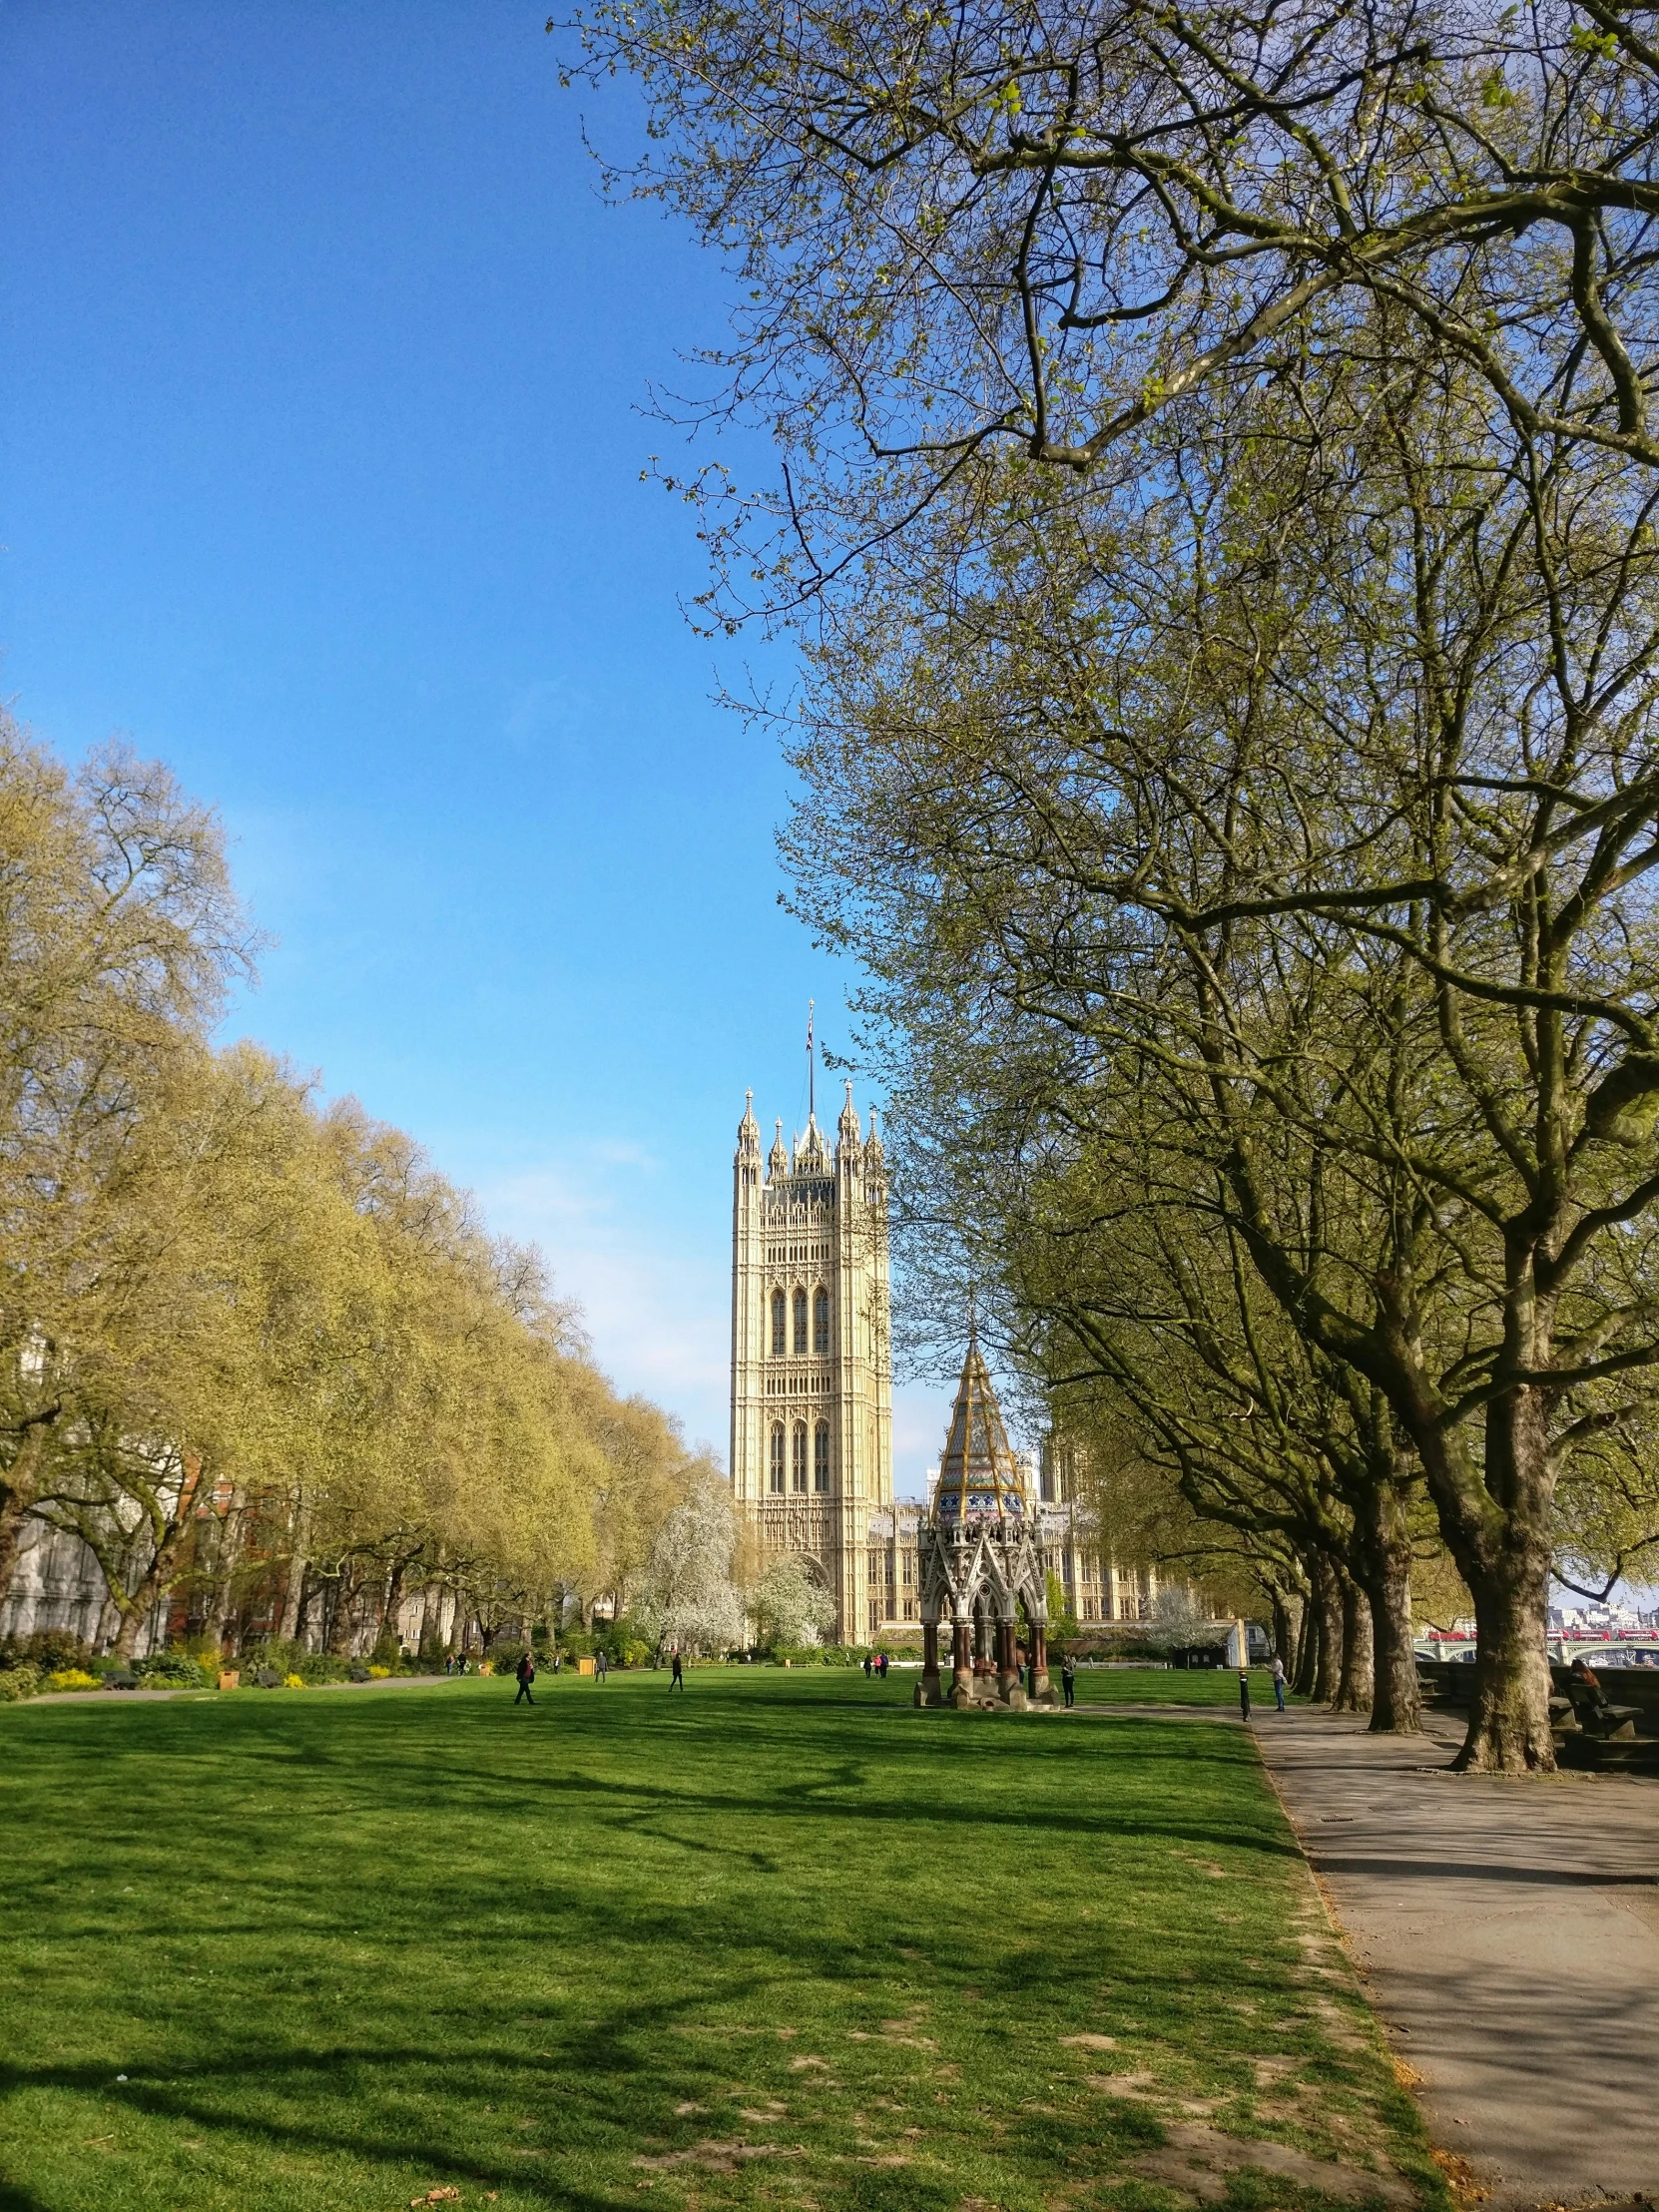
(782, 1941)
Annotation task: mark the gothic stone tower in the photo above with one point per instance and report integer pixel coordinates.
(812, 1374)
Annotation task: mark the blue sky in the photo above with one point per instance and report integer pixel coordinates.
(320, 477)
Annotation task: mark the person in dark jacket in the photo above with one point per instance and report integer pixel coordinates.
(1068, 1678)
(678, 1680)
(526, 1672)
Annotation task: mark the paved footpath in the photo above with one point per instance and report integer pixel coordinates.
(1507, 1934)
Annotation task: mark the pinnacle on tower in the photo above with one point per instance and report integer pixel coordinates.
(848, 1129)
(748, 1129)
(778, 1160)
(808, 1152)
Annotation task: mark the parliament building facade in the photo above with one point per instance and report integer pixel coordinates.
(812, 1392)
(812, 1365)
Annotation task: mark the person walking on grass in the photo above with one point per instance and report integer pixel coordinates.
(1277, 1670)
(677, 1680)
(1068, 1678)
(866, 1666)
(526, 1672)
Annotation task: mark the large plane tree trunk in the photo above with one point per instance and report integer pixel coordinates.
(1508, 1571)
(1384, 1567)
(1328, 1630)
(1354, 1681)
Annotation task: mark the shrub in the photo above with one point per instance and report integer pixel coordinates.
(18, 1681)
(376, 1674)
(165, 1669)
(321, 1666)
(294, 1681)
(504, 1656)
(71, 1678)
(387, 1652)
(50, 1650)
(817, 1655)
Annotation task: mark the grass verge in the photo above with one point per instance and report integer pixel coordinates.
(781, 1942)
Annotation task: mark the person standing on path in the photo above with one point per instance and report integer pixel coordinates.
(1278, 1672)
(526, 1672)
(677, 1681)
(1068, 1678)
(1244, 1693)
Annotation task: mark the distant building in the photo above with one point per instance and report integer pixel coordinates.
(1079, 1553)
(811, 1369)
(811, 1393)
(56, 1582)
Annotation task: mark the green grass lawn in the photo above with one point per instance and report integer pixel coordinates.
(1171, 1686)
(783, 1941)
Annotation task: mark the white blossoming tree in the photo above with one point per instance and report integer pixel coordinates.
(687, 1600)
(788, 1606)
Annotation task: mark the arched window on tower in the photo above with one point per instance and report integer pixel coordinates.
(777, 1459)
(799, 1469)
(779, 1345)
(821, 1322)
(800, 1320)
(820, 1456)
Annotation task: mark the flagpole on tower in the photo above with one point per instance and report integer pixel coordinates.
(811, 1068)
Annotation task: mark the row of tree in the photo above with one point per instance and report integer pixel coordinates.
(1221, 475)
(254, 1353)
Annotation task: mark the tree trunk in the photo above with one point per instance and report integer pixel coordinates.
(312, 1589)
(394, 1599)
(136, 1610)
(1504, 1557)
(22, 1479)
(225, 1568)
(1328, 1630)
(1306, 1650)
(1386, 1563)
(133, 1617)
(337, 1642)
(1396, 1699)
(1509, 1727)
(1284, 1641)
(1354, 1681)
(294, 1596)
